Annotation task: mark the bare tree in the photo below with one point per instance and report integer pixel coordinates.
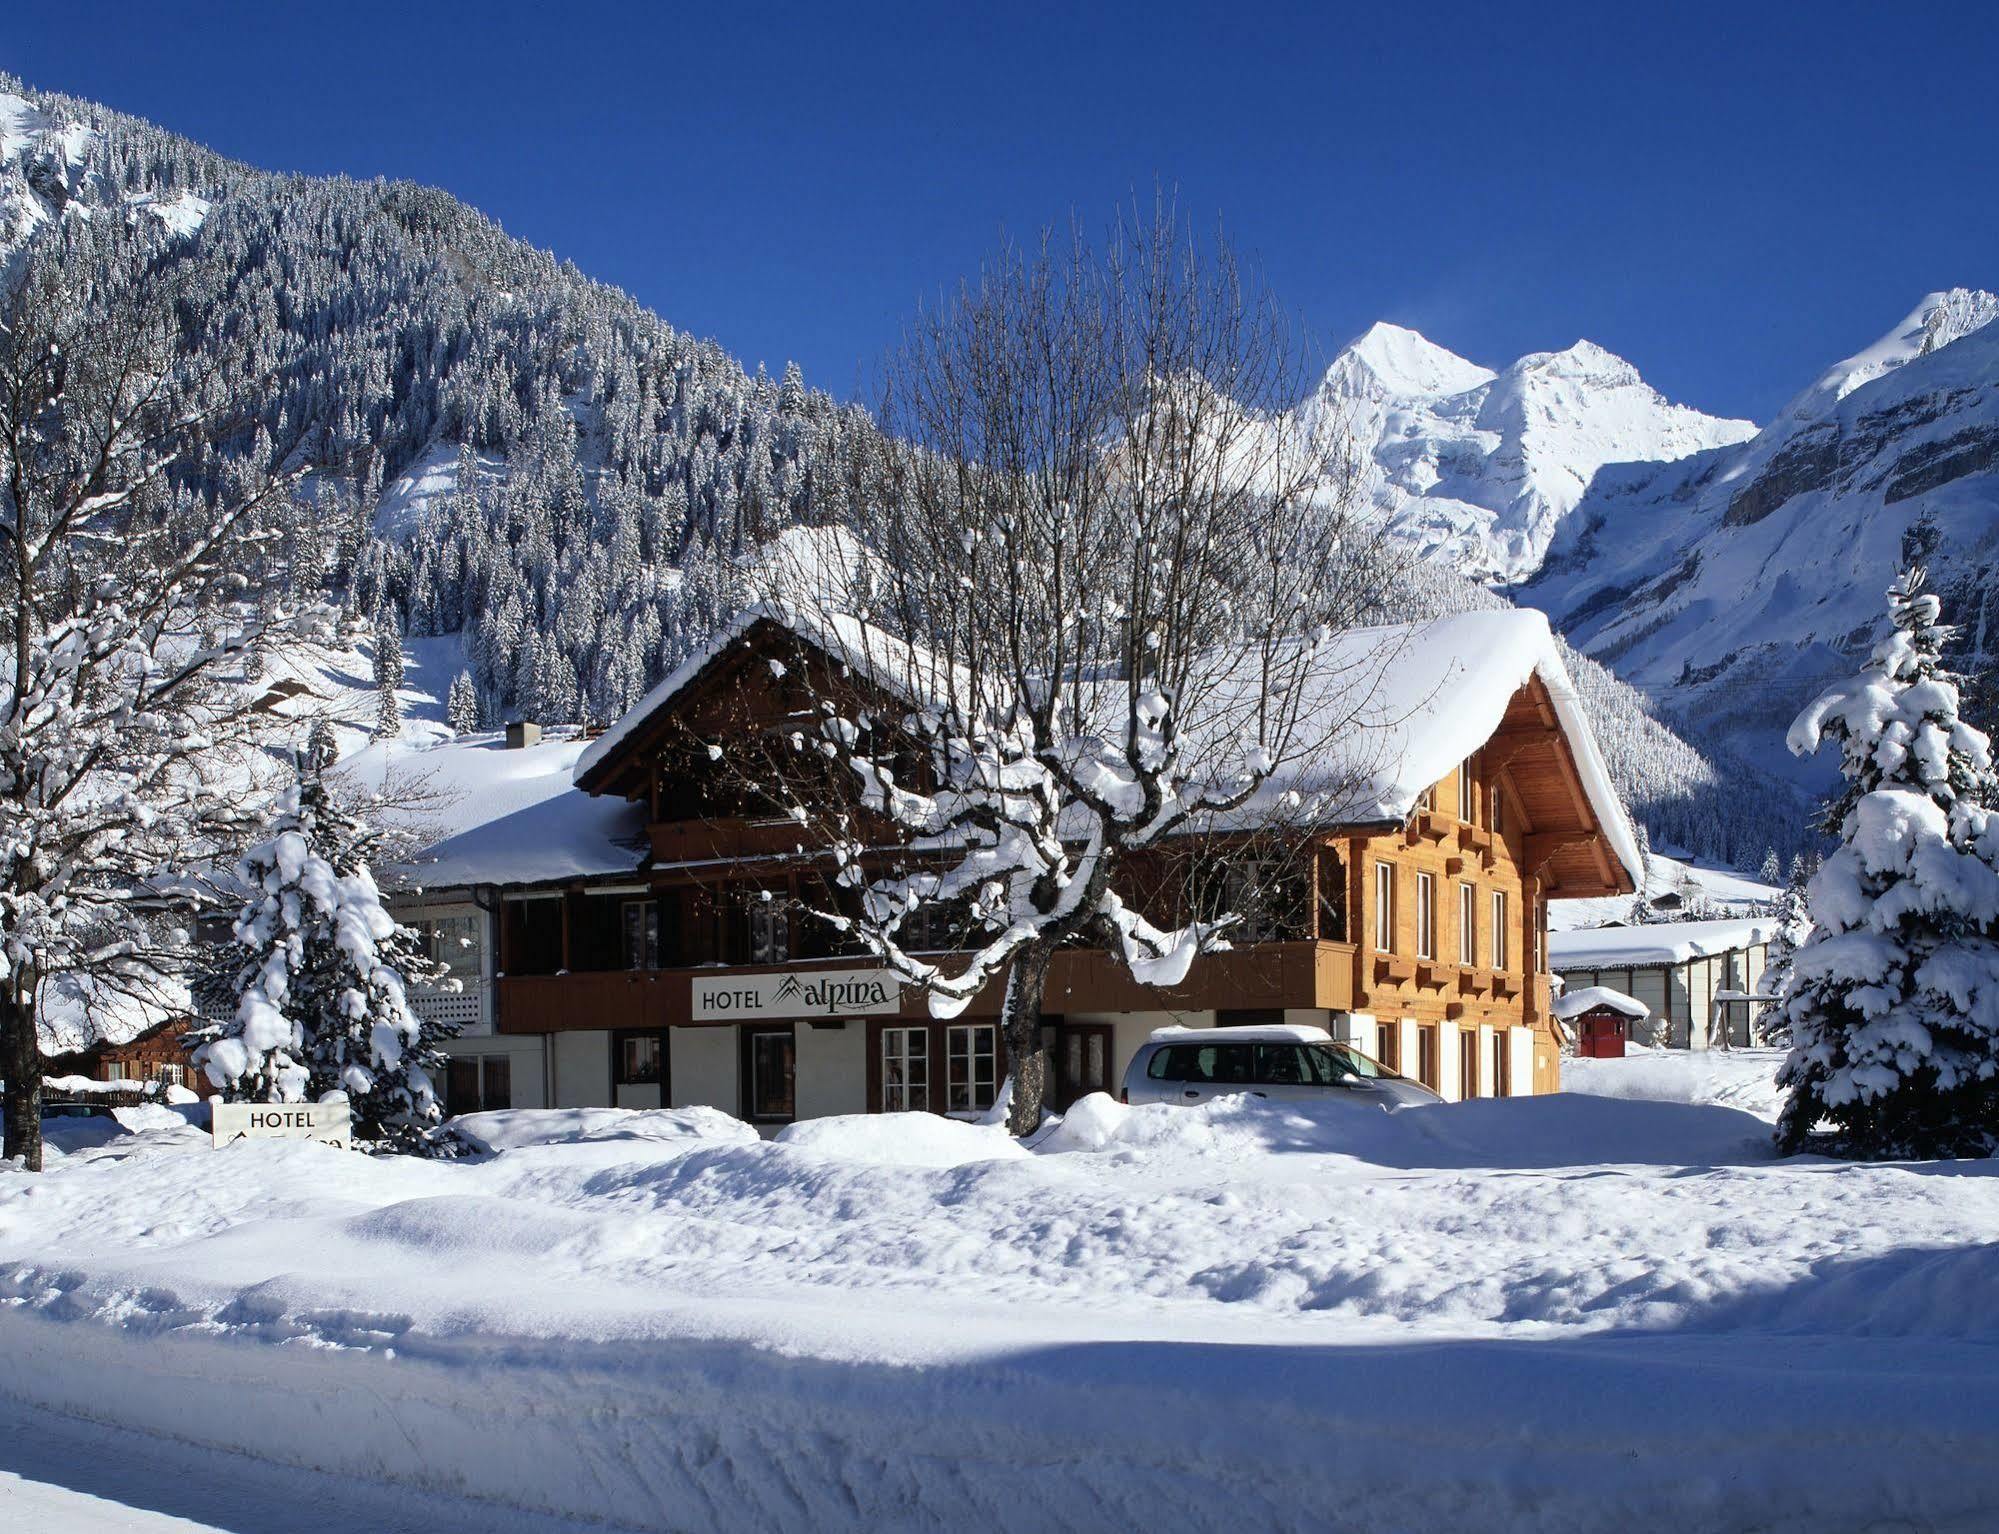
(1099, 624)
(126, 754)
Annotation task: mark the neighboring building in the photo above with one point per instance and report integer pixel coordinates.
(156, 1055)
(1694, 978)
(634, 941)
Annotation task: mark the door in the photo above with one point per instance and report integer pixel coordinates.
(1081, 1061)
(769, 1067)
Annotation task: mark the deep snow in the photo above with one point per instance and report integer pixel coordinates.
(1531, 1313)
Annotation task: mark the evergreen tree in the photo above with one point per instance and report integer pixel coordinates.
(1772, 871)
(388, 714)
(388, 649)
(1794, 924)
(461, 705)
(322, 974)
(1894, 1040)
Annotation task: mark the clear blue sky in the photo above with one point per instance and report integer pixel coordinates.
(1730, 196)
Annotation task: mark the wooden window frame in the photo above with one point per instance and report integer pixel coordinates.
(1467, 793)
(969, 1032)
(650, 927)
(915, 1096)
(1428, 1056)
(620, 1037)
(1384, 906)
(1496, 812)
(1500, 947)
(1502, 1062)
(1426, 915)
(1468, 1053)
(1467, 923)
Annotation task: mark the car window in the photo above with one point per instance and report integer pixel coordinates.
(1347, 1058)
(1222, 1064)
(1286, 1065)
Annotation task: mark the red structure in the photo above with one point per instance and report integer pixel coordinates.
(1600, 1033)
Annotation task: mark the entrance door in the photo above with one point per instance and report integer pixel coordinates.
(1081, 1060)
(770, 1066)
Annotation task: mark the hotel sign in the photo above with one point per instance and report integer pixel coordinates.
(328, 1121)
(798, 993)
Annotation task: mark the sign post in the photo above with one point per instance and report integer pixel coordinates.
(329, 1121)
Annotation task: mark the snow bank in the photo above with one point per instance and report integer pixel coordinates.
(505, 1129)
(1728, 1078)
(1235, 1316)
(901, 1139)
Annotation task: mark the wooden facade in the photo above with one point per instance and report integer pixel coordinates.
(1421, 941)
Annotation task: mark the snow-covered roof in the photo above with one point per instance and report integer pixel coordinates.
(1575, 1003)
(512, 816)
(1426, 695)
(1672, 942)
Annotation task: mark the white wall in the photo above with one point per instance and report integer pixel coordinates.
(832, 1069)
(1447, 1062)
(704, 1066)
(1521, 1042)
(582, 1068)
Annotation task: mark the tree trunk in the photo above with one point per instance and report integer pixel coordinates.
(21, 1058)
(1020, 1025)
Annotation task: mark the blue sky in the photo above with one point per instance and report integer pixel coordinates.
(1730, 196)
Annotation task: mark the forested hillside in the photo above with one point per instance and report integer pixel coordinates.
(499, 447)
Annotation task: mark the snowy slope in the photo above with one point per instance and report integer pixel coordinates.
(1480, 467)
(1732, 585)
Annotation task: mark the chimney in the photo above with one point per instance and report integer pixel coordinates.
(522, 733)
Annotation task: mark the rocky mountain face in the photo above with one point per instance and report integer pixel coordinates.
(1733, 582)
(1480, 468)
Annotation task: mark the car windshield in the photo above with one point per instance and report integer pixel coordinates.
(1345, 1058)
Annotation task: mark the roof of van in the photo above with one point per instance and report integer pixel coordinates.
(1260, 1033)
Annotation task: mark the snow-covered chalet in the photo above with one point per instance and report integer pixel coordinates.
(619, 921)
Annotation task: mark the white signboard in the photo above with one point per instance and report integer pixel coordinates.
(329, 1121)
(801, 993)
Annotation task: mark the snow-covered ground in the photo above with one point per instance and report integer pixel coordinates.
(1727, 1078)
(1559, 1312)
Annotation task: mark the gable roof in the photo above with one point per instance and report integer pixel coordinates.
(1426, 695)
(1666, 942)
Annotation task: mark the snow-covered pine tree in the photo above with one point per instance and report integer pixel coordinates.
(461, 705)
(388, 648)
(322, 975)
(1772, 871)
(1794, 924)
(388, 713)
(1894, 1039)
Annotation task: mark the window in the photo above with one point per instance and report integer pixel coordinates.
(770, 1061)
(637, 1059)
(905, 1070)
(452, 941)
(770, 930)
(1426, 1055)
(1495, 820)
(1467, 791)
(114, 1070)
(168, 1075)
(1384, 907)
(1499, 929)
(1391, 1047)
(1222, 1064)
(1467, 924)
(971, 1067)
(1540, 936)
(1429, 799)
(641, 923)
(1467, 1064)
(1426, 917)
(1502, 1063)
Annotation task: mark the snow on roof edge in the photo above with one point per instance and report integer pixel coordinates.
(1656, 942)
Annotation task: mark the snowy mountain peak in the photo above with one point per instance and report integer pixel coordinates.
(1938, 320)
(1478, 468)
(1391, 362)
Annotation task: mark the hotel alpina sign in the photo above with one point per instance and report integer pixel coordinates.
(801, 993)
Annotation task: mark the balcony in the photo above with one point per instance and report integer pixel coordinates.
(707, 841)
(1301, 974)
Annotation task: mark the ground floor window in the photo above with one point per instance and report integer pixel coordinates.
(1080, 1054)
(1502, 1062)
(1389, 1050)
(1426, 1056)
(972, 1067)
(905, 1075)
(638, 1059)
(770, 1068)
(1467, 1063)
(478, 1083)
